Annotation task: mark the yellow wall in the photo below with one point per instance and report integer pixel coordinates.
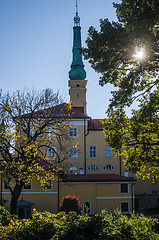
(92, 192)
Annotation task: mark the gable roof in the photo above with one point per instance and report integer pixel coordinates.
(62, 110)
(95, 178)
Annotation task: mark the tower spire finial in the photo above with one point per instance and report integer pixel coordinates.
(76, 18)
(76, 8)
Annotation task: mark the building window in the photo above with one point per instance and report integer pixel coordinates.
(154, 192)
(73, 152)
(87, 207)
(108, 152)
(51, 152)
(153, 180)
(108, 167)
(124, 188)
(126, 174)
(92, 151)
(81, 171)
(73, 132)
(6, 185)
(124, 206)
(93, 167)
(51, 132)
(73, 170)
(48, 185)
(28, 186)
(77, 95)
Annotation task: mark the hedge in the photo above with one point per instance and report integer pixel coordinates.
(62, 226)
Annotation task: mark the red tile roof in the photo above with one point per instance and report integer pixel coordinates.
(60, 111)
(95, 124)
(95, 178)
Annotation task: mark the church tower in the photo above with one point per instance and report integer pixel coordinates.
(77, 74)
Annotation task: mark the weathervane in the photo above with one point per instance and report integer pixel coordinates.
(76, 18)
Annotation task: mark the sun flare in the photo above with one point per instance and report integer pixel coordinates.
(140, 53)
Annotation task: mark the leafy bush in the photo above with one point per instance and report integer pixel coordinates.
(72, 226)
(70, 204)
(5, 216)
(40, 227)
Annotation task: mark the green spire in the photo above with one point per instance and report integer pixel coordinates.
(77, 71)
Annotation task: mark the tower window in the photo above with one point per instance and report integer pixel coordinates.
(77, 85)
(77, 95)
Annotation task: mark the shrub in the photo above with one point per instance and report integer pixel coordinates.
(5, 216)
(70, 226)
(40, 227)
(70, 203)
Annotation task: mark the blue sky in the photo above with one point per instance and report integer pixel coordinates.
(36, 46)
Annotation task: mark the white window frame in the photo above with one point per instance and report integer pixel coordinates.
(73, 152)
(92, 151)
(73, 132)
(108, 169)
(73, 170)
(128, 206)
(84, 209)
(53, 152)
(108, 151)
(127, 188)
(93, 167)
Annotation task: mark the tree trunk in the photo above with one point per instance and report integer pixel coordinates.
(15, 195)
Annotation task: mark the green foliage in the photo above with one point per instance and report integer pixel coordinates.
(5, 216)
(70, 226)
(70, 203)
(113, 52)
(138, 136)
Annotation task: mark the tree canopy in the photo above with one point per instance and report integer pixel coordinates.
(34, 138)
(126, 54)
